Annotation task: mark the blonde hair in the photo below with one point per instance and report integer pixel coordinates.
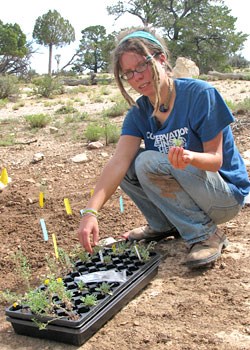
(144, 47)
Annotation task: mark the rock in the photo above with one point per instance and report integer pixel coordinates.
(53, 130)
(95, 145)
(37, 157)
(80, 158)
(185, 68)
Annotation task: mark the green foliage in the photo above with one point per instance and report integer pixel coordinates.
(243, 105)
(94, 50)
(104, 289)
(6, 141)
(93, 132)
(66, 109)
(238, 61)
(37, 120)
(7, 296)
(89, 300)
(8, 87)
(111, 132)
(13, 40)
(144, 251)
(202, 30)
(118, 109)
(22, 268)
(46, 86)
(53, 30)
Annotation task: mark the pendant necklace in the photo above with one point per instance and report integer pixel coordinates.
(165, 106)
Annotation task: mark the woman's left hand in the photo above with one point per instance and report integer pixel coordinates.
(180, 157)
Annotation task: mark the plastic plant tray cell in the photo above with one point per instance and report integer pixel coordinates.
(86, 320)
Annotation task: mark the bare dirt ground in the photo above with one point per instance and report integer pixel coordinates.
(180, 309)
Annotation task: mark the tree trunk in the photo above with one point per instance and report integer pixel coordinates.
(50, 59)
(223, 76)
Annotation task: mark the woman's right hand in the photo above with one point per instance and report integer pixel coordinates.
(88, 226)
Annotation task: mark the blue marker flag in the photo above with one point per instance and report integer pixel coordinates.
(121, 204)
(44, 229)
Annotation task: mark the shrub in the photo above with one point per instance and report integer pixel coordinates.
(111, 132)
(46, 86)
(37, 120)
(8, 87)
(93, 132)
(118, 109)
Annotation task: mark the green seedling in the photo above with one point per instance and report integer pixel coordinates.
(22, 268)
(104, 289)
(177, 142)
(144, 251)
(82, 286)
(89, 300)
(42, 303)
(107, 259)
(84, 256)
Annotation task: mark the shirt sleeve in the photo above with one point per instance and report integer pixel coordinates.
(211, 114)
(130, 123)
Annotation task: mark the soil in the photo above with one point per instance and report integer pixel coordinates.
(180, 309)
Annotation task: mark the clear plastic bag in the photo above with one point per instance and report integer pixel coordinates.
(100, 276)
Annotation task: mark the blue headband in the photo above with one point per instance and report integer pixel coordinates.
(143, 35)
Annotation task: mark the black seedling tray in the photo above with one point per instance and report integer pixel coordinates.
(77, 331)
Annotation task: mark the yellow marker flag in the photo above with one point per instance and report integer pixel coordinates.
(67, 206)
(91, 192)
(4, 177)
(55, 245)
(41, 199)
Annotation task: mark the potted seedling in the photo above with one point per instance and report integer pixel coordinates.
(89, 300)
(144, 252)
(71, 308)
(105, 288)
(46, 300)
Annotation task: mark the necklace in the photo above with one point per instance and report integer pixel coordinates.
(165, 106)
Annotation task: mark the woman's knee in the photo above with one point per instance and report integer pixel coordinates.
(146, 161)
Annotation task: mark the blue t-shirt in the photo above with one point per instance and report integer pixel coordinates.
(198, 115)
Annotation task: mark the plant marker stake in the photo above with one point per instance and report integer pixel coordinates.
(41, 199)
(45, 233)
(55, 245)
(91, 192)
(121, 204)
(67, 206)
(101, 256)
(137, 252)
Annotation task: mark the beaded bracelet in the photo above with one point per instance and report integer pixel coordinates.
(89, 211)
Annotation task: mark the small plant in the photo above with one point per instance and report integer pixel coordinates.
(42, 302)
(117, 110)
(22, 268)
(82, 286)
(37, 120)
(111, 132)
(89, 300)
(66, 109)
(105, 288)
(84, 256)
(93, 132)
(120, 248)
(178, 142)
(46, 86)
(9, 87)
(107, 259)
(144, 251)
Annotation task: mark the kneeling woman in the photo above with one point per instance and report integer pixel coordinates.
(189, 176)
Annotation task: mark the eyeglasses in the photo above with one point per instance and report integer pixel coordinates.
(139, 69)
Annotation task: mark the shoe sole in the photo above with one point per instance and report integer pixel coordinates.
(210, 260)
